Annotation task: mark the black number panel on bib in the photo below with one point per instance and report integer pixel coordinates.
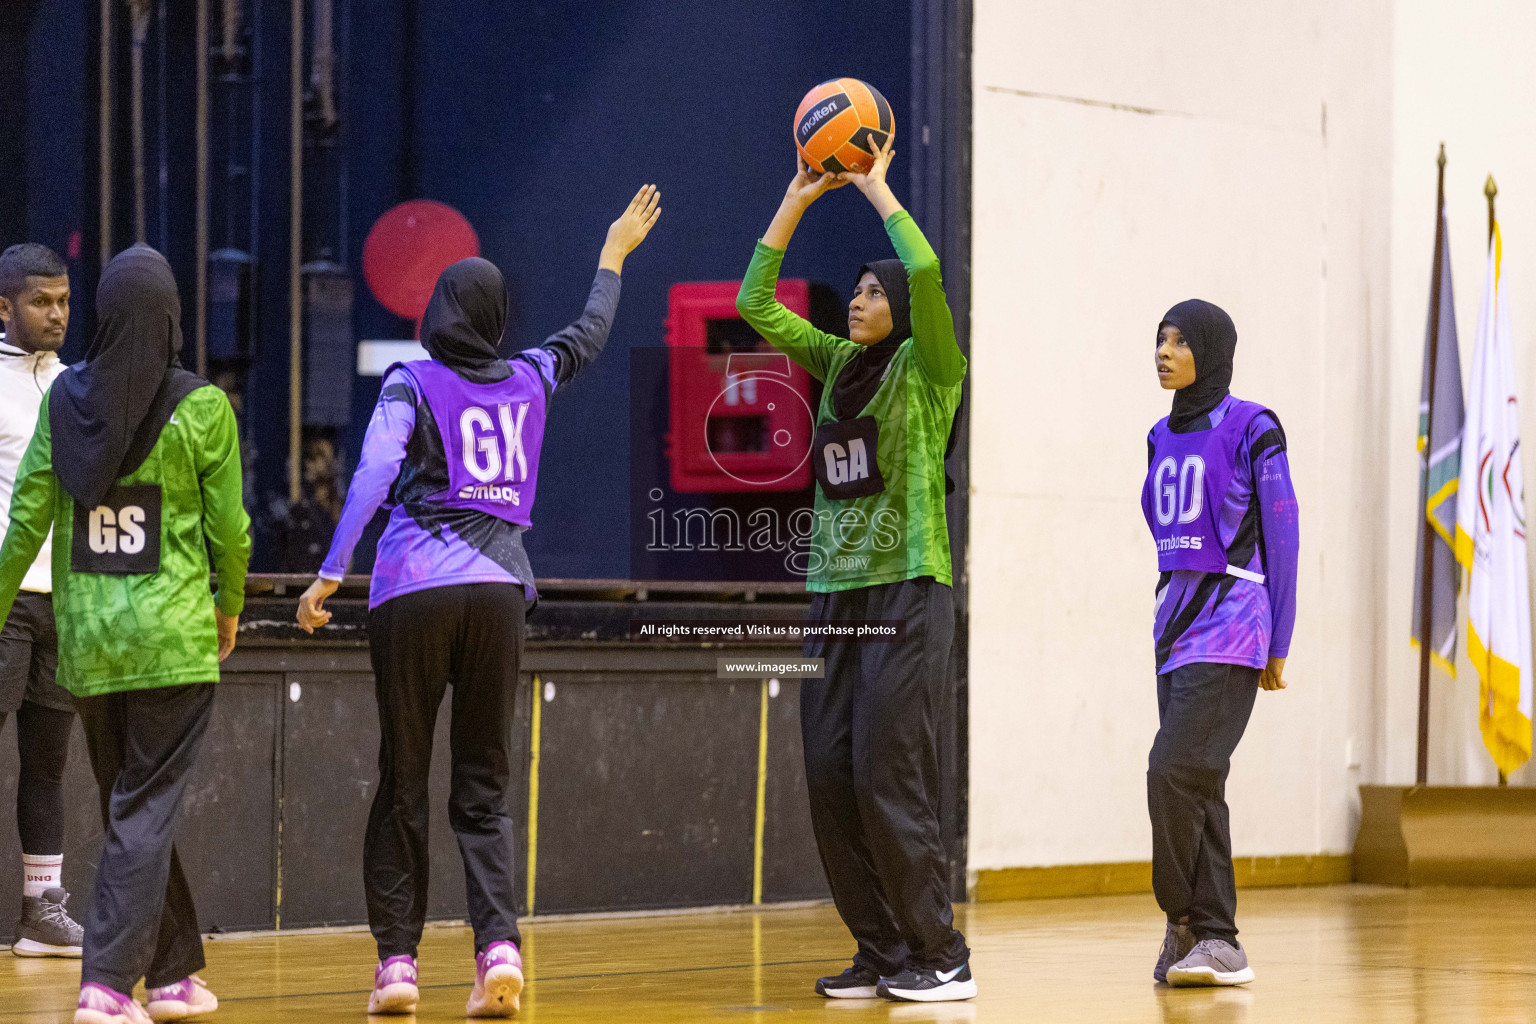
(844, 457)
(121, 536)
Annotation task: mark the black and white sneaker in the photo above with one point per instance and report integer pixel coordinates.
(854, 983)
(927, 985)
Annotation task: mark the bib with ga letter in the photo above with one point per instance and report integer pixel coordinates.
(121, 536)
(844, 457)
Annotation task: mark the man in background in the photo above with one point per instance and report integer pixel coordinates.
(34, 314)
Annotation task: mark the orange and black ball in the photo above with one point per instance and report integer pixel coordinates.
(841, 124)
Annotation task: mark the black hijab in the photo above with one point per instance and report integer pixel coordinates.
(106, 413)
(1212, 337)
(861, 376)
(463, 323)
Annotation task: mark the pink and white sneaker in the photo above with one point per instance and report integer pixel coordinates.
(189, 997)
(394, 986)
(101, 1005)
(498, 982)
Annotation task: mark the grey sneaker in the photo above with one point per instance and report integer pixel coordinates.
(46, 929)
(1212, 962)
(1177, 943)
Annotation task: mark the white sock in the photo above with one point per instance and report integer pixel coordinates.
(42, 873)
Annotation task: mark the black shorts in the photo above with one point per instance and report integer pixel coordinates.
(29, 656)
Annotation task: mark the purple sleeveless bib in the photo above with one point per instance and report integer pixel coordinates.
(491, 435)
(1185, 487)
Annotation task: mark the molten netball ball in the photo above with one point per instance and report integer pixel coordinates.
(841, 124)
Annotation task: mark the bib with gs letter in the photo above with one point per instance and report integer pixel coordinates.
(843, 454)
(121, 536)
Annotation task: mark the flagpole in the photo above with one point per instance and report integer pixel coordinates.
(1490, 190)
(1426, 592)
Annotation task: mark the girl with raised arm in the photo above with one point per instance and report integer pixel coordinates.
(453, 451)
(880, 551)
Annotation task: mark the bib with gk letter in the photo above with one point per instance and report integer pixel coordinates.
(119, 537)
(491, 436)
(1186, 484)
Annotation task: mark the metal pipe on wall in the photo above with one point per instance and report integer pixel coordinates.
(138, 11)
(104, 141)
(295, 253)
(322, 75)
(230, 28)
(162, 121)
(343, 111)
(257, 81)
(200, 274)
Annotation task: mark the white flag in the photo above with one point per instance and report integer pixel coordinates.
(1490, 532)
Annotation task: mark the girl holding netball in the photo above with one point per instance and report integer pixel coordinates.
(880, 551)
(453, 450)
(1219, 501)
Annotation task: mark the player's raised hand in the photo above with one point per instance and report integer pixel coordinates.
(631, 228)
(872, 182)
(873, 178)
(807, 186)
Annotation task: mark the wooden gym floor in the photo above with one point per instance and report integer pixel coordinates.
(1346, 953)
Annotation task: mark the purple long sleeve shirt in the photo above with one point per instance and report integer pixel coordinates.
(426, 544)
(1216, 617)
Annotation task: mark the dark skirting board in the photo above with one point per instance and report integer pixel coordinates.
(647, 786)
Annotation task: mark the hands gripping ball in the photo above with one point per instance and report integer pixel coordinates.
(841, 124)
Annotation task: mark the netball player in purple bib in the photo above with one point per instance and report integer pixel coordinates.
(1219, 501)
(453, 451)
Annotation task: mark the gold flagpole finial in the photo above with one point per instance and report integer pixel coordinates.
(1441, 158)
(1490, 190)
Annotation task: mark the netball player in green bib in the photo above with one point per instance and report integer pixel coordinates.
(880, 551)
(135, 464)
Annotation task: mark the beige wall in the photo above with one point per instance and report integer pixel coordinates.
(1276, 158)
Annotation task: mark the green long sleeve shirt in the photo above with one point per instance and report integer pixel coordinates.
(900, 533)
(148, 629)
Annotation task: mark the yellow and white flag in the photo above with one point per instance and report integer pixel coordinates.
(1490, 532)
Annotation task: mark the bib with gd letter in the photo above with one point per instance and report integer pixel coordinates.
(121, 536)
(843, 454)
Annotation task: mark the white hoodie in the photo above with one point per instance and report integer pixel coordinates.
(24, 377)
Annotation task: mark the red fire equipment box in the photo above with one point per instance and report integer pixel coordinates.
(741, 415)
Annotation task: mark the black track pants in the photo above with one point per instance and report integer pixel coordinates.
(42, 747)
(469, 635)
(143, 745)
(1203, 709)
(29, 660)
(872, 769)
